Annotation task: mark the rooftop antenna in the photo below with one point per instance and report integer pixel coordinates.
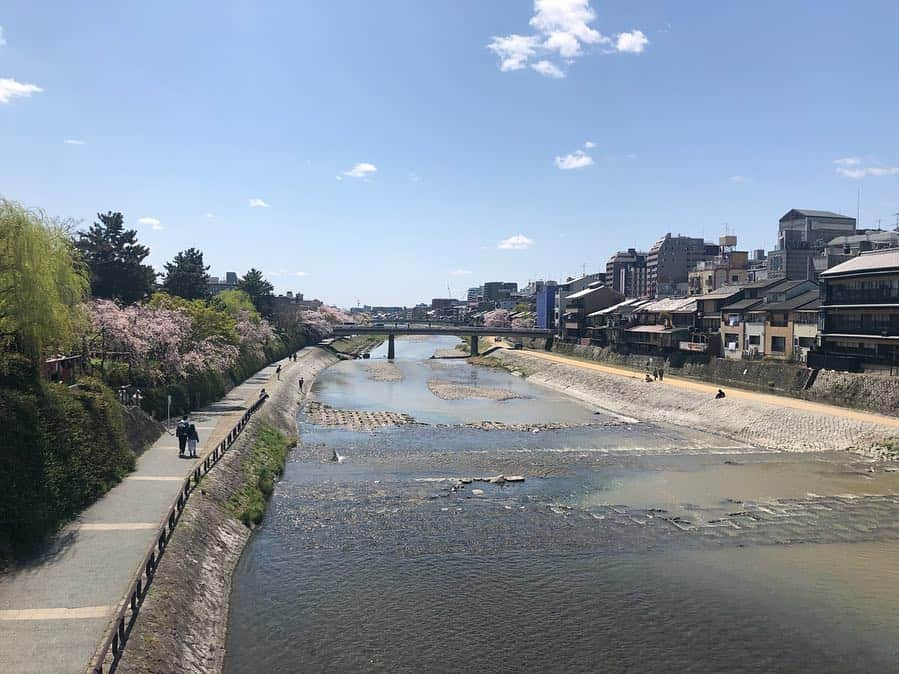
(858, 205)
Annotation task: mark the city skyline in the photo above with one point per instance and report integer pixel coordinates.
(448, 143)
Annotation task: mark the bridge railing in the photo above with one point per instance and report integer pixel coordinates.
(110, 651)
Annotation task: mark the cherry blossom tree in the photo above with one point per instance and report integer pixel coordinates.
(498, 318)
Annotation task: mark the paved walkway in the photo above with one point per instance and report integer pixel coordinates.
(54, 611)
(711, 389)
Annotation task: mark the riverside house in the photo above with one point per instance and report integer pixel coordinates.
(860, 312)
(743, 323)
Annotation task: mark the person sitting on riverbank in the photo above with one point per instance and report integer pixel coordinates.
(719, 395)
(649, 379)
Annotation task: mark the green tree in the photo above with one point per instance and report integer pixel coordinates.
(207, 319)
(259, 290)
(234, 303)
(185, 276)
(42, 284)
(115, 259)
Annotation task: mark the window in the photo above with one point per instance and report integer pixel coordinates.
(755, 340)
(778, 344)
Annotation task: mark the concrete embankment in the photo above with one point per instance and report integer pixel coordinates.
(745, 416)
(183, 622)
(875, 392)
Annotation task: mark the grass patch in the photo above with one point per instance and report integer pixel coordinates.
(262, 467)
(357, 344)
(488, 361)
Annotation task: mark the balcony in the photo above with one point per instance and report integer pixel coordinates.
(838, 295)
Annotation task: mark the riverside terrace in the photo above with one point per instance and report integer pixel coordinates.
(470, 331)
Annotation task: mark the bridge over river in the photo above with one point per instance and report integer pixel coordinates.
(473, 332)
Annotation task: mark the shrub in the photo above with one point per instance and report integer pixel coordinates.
(61, 449)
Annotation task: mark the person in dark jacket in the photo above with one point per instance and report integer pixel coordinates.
(181, 432)
(193, 438)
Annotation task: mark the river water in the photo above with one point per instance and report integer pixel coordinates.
(628, 547)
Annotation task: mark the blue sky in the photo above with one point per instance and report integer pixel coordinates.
(394, 150)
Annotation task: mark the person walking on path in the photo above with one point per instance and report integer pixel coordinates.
(278, 372)
(301, 382)
(192, 439)
(661, 373)
(182, 430)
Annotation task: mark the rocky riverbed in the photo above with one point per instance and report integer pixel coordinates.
(384, 371)
(450, 390)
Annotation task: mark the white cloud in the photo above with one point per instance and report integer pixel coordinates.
(569, 17)
(152, 222)
(562, 29)
(10, 89)
(361, 170)
(633, 42)
(460, 272)
(513, 51)
(258, 203)
(73, 141)
(299, 273)
(575, 160)
(739, 179)
(2, 39)
(847, 161)
(548, 69)
(210, 216)
(517, 242)
(873, 171)
(589, 144)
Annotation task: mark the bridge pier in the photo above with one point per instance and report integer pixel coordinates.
(473, 346)
(391, 349)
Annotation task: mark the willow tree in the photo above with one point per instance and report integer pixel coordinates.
(42, 284)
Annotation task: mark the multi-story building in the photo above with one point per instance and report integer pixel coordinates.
(626, 272)
(743, 323)
(217, 285)
(475, 295)
(802, 235)
(843, 248)
(728, 267)
(669, 262)
(860, 312)
(498, 291)
(546, 307)
(578, 305)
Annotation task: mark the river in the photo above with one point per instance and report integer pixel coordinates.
(628, 547)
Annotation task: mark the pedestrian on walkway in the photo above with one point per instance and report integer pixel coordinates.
(182, 431)
(192, 439)
(301, 382)
(278, 372)
(661, 373)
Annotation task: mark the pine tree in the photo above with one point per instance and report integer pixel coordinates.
(115, 260)
(185, 276)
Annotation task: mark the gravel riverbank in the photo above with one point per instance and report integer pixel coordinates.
(183, 622)
(756, 423)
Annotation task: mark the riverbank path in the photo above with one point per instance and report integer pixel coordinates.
(711, 389)
(55, 610)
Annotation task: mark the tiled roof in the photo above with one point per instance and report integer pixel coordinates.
(742, 305)
(873, 261)
(795, 302)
